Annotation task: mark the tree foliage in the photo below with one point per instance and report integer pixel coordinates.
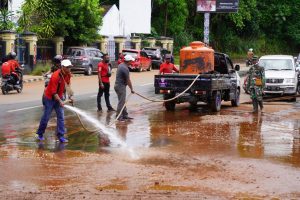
(77, 20)
(267, 26)
(5, 20)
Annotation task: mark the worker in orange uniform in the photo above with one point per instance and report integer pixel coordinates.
(167, 67)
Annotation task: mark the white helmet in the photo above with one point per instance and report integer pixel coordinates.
(250, 49)
(128, 58)
(66, 63)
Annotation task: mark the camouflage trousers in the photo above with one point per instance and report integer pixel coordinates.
(256, 95)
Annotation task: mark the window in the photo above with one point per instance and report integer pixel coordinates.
(229, 64)
(144, 54)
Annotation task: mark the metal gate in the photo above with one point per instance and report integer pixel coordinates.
(129, 45)
(45, 51)
(111, 50)
(20, 49)
(2, 50)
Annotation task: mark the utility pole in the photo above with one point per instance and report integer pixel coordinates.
(206, 28)
(166, 20)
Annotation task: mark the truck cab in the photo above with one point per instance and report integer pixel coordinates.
(280, 74)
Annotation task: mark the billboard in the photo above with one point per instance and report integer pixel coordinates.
(136, 15)
(218, 6)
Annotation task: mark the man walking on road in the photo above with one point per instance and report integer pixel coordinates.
(122, 80)
(256, 83)
(52, 99)
(104, 72)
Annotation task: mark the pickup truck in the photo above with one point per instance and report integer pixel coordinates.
(222, 83)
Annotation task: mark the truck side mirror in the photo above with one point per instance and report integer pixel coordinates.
(237, 68)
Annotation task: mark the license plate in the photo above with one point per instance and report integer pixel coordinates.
(273, 88)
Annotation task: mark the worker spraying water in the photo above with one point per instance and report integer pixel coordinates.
(52, 100)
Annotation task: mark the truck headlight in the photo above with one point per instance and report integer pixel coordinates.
(289, 80)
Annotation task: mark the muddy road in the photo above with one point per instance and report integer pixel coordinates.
(234, 154)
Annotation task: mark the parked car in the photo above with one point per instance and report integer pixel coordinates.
(84, 59)
(157, 55)
(142, 60)
(280, 73)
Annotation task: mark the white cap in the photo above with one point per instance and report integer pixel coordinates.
(250, 49)
(128, 58)
(66, 63)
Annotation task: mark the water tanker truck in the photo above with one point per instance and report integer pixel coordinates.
(214, 76)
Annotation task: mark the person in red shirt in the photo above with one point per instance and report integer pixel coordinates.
(52, 100)
(167, 67)
(14, 64)
(5, 69)
(104, 72)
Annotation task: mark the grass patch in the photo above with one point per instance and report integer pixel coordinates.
(40, 68)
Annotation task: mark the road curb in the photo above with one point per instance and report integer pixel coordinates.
(42, 78)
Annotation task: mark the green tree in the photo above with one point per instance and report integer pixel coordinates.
(77, 20)
(169, 16)
(38, 16)
(5, 19)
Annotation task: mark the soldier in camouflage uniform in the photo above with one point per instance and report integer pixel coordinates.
(256, 84)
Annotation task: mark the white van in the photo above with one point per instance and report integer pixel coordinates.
(281, 74)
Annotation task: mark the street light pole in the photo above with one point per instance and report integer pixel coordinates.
(206, 28)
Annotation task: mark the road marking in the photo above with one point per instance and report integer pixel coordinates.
(28, 108)
(147, 84)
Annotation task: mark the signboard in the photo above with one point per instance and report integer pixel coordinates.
(217, 6)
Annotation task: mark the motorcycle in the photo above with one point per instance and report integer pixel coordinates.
(47, 77)
(9, 82)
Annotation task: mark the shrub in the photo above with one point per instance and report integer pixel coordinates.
(40, 69)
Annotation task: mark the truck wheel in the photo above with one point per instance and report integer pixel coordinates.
(236, 101)
(216, 101)
(193, 107)
(170, 105)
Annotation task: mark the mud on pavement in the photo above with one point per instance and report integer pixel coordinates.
(234, 154)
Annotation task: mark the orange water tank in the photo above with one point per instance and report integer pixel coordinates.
(196, 58)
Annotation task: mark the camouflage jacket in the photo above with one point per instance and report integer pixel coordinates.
(256, 81)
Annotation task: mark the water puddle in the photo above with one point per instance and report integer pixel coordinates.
(114, 138)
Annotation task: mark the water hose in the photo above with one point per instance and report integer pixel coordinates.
(153, 100)
(127, 98)
(79, 118)
(160, 100)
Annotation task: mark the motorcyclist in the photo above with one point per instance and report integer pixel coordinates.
(5, 69)
(56, 64)
(250, 55)
(255, 84)
(15, 67)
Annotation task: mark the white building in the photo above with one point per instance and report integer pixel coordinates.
(134, 16)
(15, 6)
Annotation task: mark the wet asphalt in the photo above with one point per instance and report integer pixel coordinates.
(272, 135)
